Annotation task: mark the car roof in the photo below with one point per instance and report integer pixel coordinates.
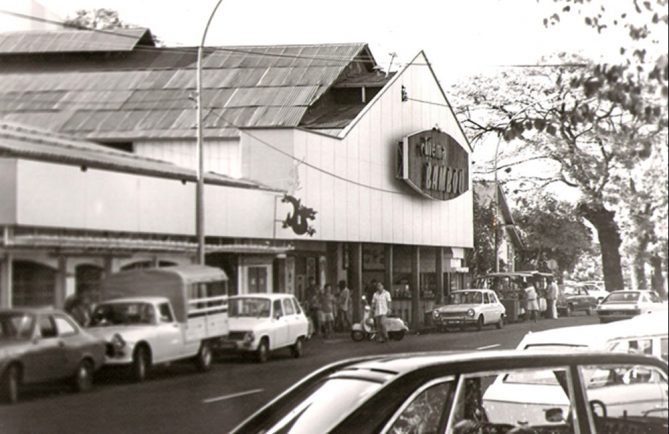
(151, 299)
(31, 310)
(472, 361)
(593, 334)
(272, 296)
(472, 289)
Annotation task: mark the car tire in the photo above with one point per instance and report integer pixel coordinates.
(141, 363)
(357, 335)
(588, 311)
(10, 384)
(500, 323)
(204, 357)
(262, 353)
(479, 323)
(396, 336)
(297, 349)
(568, 310)
(83, 376)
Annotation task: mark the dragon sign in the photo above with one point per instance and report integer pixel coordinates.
(298, 220)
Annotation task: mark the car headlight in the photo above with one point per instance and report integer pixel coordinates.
(470, 312)
(249, 337)
(117, 342)
(435, 314)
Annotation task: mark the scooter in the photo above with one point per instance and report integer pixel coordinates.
(366, 329)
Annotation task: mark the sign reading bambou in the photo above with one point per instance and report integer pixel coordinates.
(434, 164)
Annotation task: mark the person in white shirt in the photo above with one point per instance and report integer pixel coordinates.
(380, 308)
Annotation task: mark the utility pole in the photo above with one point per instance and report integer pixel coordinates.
(199, 188)
(496, 210)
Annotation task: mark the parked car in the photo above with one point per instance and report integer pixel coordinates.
(627, 303)
(262, 323)
(449, 393)
(576, 299)
(40, 345)
(595, 288)
(474, 307)
(645, 334)
(156, 316)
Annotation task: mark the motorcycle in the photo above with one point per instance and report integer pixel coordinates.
(366, 329)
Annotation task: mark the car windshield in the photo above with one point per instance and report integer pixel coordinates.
(323, 408)
(16, 326)
(123, 314)
(466, 297)
(252, 307)
(622, 297)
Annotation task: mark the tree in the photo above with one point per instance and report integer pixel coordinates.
(595, 129)
(481, 258)
(98, 19)
(544, 220)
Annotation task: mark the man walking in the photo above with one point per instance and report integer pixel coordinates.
(381, 307)
(344, 305)
(551, 299)
(327, 305)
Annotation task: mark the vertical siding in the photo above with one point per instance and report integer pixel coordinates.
(366, 154)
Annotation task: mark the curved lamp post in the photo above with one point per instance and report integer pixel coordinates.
(199, 189)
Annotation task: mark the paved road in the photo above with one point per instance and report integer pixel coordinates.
(176, 399)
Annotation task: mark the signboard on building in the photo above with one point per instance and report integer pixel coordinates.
(434, 164)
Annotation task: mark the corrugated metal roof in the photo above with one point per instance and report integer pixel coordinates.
(150, 93)
(34, 144)
(72, 41)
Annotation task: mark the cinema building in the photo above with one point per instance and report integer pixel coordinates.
(318, 165)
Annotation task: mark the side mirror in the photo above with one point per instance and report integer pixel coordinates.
(554, 415)
(277, 315)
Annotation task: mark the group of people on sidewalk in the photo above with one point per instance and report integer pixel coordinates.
(329, 310)
(532, 300)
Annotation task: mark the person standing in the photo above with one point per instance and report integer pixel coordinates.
(381, 307)
(328, 305)
(532, 301)
(551, 299)
(315, 309)
(344, 305)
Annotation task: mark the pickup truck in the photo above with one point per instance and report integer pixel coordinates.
(155, 316)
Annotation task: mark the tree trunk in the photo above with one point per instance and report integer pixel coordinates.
(609, 241)
(640, 255)
(657, 282)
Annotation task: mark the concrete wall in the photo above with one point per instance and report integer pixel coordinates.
(7, 191)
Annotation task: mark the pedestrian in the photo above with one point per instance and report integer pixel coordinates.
(551, 299)
(380, 308)
(343, 306)
(315, 309)
(79, 306)
(328, 305)
(531, 300)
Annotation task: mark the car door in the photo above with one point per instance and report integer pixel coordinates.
(70, 341)
(168, 337)
(46, 358)
(301, 321)
(496, 307)
(291, 319)
(487, 309)
(280, 326)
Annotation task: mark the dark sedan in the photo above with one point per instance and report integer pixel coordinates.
(40, 345)
(475, 392)
(576, 299)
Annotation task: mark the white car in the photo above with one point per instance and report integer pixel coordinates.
(477, 307)
(628, 303)
(261, 323)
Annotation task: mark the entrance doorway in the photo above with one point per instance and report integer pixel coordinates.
(257, 278)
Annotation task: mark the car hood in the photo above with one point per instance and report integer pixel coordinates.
(618, 306)
(241, 324)
(128, 332)
(457, 307)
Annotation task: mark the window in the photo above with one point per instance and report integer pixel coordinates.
(278, 313)
(626, 398)
(493, 298)
(654, 298)
(298, 308)
(425, 413)
(165, 313)
(636, 346)
(64, 326)
(663, 348)
(486, 299)
(47, 328)
(288, 307)
(506, 400)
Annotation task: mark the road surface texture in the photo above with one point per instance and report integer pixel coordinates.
(177, 399)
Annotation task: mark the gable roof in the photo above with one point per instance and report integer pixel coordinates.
(19, 141)
(72, 41)
(148, 92)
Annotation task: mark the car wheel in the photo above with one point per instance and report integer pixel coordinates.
(357, 335)
(479, 323)
(9, 385)
(262, 353)
(83, 377)
(140, 364)
(396, 336)
(203, 358)
(297, 349)
(500, 323)
(588, 311)
(568, 310)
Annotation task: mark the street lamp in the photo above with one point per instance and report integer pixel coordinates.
(199, 189)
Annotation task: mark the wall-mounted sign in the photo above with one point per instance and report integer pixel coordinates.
(434, 164)
(298, 220)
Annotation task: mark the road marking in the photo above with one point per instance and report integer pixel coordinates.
(487, 347)
(234, 395)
